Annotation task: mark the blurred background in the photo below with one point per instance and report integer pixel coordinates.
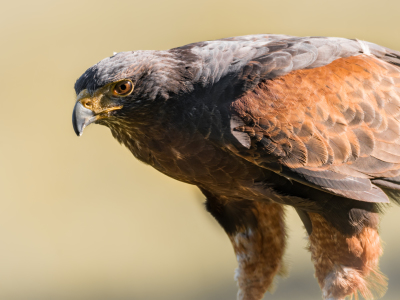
(80, 218)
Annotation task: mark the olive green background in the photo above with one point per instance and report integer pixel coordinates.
(80, 218)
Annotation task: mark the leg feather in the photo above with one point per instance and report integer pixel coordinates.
(259, 251)
(346, 265)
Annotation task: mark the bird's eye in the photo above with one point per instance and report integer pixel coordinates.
(123, 88)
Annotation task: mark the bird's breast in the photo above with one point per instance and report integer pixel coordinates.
(200, 162)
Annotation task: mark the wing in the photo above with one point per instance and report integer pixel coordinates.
(333, 127)
(248, 60)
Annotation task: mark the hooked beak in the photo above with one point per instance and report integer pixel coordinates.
(81, 117)
(90, 108)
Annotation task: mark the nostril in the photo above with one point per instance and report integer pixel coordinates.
(87, 104)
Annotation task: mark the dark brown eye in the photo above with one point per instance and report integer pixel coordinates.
(123, 88)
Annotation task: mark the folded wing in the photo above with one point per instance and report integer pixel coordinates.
(333, 127)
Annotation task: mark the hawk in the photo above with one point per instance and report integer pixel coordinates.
(259, 122)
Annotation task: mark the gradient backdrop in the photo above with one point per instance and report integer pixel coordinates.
(80, 218)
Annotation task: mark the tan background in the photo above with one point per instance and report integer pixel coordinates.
(80, 218)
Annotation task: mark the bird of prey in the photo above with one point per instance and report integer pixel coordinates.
(259, 122)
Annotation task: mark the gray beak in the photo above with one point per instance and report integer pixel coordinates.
(81, 117)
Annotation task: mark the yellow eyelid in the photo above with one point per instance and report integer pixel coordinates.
(114, 85)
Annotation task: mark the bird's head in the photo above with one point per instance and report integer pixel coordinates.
(126, 87)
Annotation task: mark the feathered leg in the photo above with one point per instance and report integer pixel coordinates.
(259, 252)
(346, 265)
(257, 232)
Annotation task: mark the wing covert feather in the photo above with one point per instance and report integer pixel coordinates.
(341, 118)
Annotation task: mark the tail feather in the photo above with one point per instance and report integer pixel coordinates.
(391, 187)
